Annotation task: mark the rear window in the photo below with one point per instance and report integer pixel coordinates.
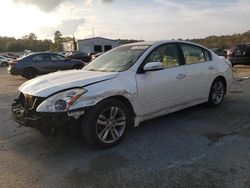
(238, 48)
(248, 51)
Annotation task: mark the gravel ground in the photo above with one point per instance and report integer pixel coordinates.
(197, 147)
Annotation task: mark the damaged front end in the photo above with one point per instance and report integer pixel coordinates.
(24, 112)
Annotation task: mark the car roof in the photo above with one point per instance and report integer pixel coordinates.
(151, 43)
(38, 53)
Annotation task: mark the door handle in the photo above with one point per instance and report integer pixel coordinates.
(211, 67)
(180, 76)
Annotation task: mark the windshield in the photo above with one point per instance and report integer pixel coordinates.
(117, 60)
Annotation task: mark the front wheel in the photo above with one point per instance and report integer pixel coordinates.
(4, 64)
(217, 93)
(105, 125)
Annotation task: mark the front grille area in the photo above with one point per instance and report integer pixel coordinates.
(29, 102)
(24, 113)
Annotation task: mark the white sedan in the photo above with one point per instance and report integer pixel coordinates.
(123, 87)
(4, 62)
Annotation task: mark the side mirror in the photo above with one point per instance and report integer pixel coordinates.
(153, 66)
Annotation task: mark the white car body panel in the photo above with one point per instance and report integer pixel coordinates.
(44, 86)
(200, 79)
(154, 93)
(151, 94)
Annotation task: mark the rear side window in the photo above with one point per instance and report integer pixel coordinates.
(193, 54)
(38, 57)
(207, 55)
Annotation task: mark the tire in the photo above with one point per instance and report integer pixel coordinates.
(217, 93)
(105, 125)
(4, 64)
(29, 73)
(78, 67)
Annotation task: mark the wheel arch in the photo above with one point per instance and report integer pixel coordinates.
(224, 81)
(125, 101)
(30, 68)
(26, 69)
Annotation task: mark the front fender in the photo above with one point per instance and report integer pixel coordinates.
(124, 85)
(88, 101)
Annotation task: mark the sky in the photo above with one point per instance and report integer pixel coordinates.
(127, 19)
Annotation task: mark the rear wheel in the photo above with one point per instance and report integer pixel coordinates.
(105, 125)
(29, 73)
(78, 67)
(217, 93)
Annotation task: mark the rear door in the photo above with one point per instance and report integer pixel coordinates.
(200, 71)
(60, 62)
(162, 89)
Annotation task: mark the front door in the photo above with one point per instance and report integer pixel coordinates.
(163, 89)
(59, 62)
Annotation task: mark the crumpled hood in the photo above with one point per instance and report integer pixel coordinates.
(49, 84)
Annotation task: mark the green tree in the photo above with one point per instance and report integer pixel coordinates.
(57, 41)
(15, 46)
(74, 43)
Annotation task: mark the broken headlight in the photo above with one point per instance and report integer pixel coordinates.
(61, 102)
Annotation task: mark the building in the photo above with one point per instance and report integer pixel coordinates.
(68, 46)
(96, 44)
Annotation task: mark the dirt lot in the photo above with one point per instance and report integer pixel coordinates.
(197, 147)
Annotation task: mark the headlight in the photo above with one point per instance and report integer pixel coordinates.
(61, 102)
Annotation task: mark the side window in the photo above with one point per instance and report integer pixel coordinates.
(38, 57)
(207, 55)
(167, 54)
(55, 57)
(192, 54)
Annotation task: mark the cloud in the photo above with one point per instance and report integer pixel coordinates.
(66, 27)
(107, 1)
(47, 6)
(50, 5)
(70, 26)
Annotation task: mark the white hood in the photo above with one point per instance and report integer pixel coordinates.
(44, 86)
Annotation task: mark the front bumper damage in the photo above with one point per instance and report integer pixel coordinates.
(49, 124)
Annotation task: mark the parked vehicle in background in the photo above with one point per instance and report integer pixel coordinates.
(92, 53)
(9, 58)
(220, 52)
(96, 55)
(41, 63)
(79, 55)
(123, 87)
(239, 54)
(4, 62)
(13, 56)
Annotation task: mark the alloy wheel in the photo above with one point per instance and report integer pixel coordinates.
(217, 92)
(111, 124)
